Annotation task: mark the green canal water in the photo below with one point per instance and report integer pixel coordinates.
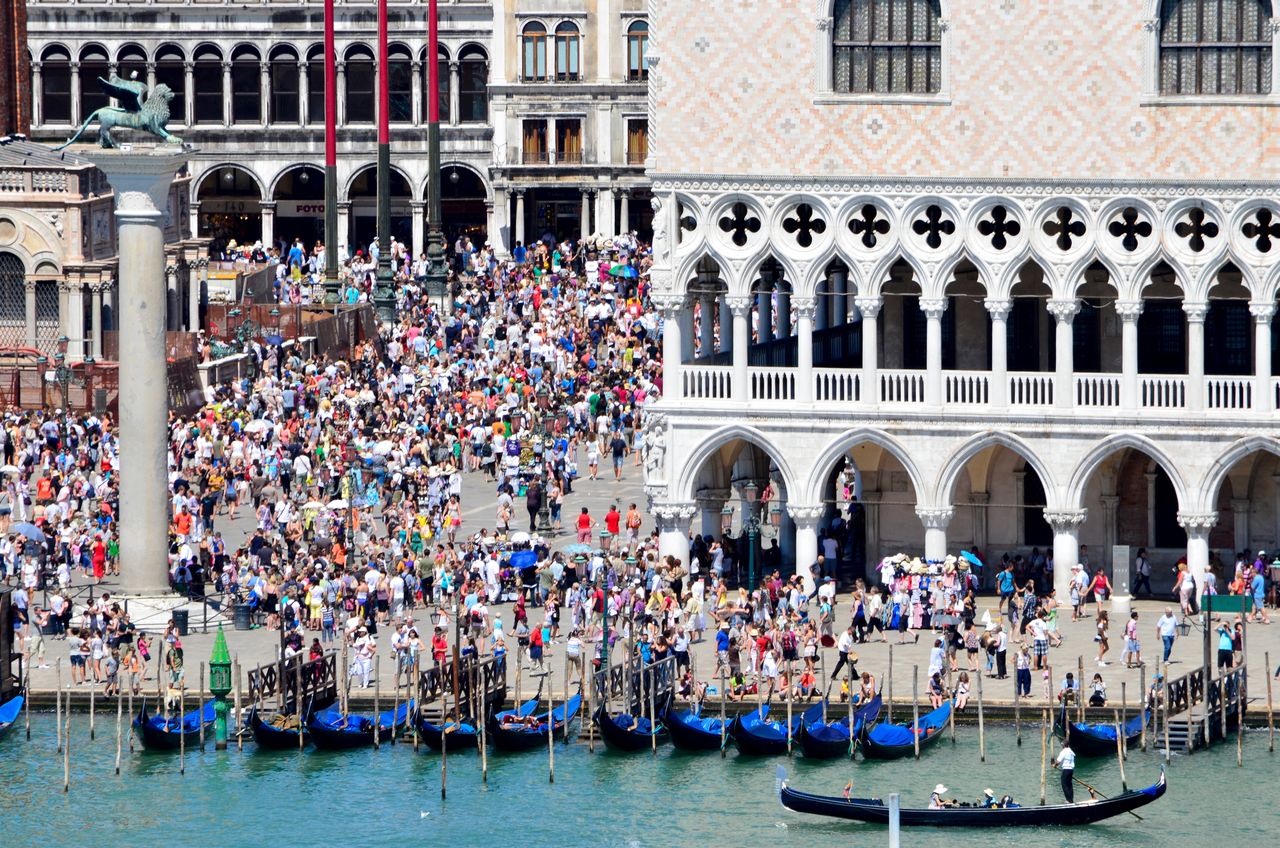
(392, 796)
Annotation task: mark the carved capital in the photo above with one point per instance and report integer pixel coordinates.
(868, 306)
(824, 24)
(1065, 520)
(740, 306)
(1065, 311)
(1128, 310)
(670, 515)
(932, 307)
(803, 307)
(806, 517)
(1197, 523)
(1151, 24)
(668, 305)
(999, 309)
(935, 518)
(1262, 312)
(980, 498)
(1196, 312)
(35, 66)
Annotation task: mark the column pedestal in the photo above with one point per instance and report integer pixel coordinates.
(141, 179)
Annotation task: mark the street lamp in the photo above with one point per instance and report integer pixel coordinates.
(42, 366)
(751, 525)
(544, 509)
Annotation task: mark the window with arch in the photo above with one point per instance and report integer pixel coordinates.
(400, 84)
(473, 86)
(441, 70)
(887, 47)
(170, 71)
(568, 52)
(1215, 47)
(93, 64)
(360, 89)
(131, 63)
(207, 82)
(246, 86)
(55, 97)
(533, 50)
(315, 85)
(284, 86)
(637, 51)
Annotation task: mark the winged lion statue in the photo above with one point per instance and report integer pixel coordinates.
(141, 108)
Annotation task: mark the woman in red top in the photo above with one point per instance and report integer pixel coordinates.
(99, 559)
(439, 646)
(1100, 587)
(585, 523)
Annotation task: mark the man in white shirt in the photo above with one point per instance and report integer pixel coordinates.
(1066, 761)
(1167, 627)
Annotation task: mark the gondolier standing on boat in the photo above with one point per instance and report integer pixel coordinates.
(1066, 762)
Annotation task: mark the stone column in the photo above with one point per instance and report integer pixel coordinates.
(935, 521)
(37, 94)
(804, 308)
(933, 309)
(268, 210)
(1066, 545)
(96, 307)
(674, 518)
(141, 179)
(264, 94)
(75, 94)
(624, 212)
(999, 384)
(520, 216)
(741, 307)
(29, 289)
(344, 230)
(193, 293)
(604, 212)
(1151, 507)
(1262, 315)
(193, 297)
(172, 319)
(226, 94)
(499, 230)
(304, 95)
(585, 224)
(1195, 354)
(455, 101)
(1064, 311)
(870, 309)
(670, 307)
(1198, 526)
(1129, 310)
(806, 519)
(416, 224)
(75, 322)
(189, 94)
(685, 317)
(1240, 514)
(193, 210)
(415, 87)
(340, 72)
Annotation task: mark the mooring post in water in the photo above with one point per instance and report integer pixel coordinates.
(182, 725)
(297, 701)
(1240, 702)
(130, 716)
(57, 714)
(444, 738)
(66, 751)
(848, 682)
(483, 720)
(1017, 707)
(239, 719)
(93, 702)
(1124, 784)
(791, 684)
(982, 726)
(26, 699)
(1080, 683)
(345, 682)
(888, 685)
(915, 709)
(1271, 724)
(1168, 755)
(551, 724)
(895, 806)
(377, 692)
(200, 705)
(724, 725)
(1044, 753)
(1142, 703)
(417, 701)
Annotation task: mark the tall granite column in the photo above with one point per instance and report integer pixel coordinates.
(141, 178)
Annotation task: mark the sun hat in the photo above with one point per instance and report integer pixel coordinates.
(940, 789)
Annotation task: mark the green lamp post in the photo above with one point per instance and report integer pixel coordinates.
(220, 686)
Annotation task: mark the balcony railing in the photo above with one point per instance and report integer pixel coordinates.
(904, 389)
(520, 156)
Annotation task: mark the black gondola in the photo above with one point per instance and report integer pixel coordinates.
(9, 712)
(1098, 740)
(509, 734)
(754, 734)
(161, 734)
(876, 811)
(626, 732)
(463, 735)
(831, 739)
(692, 731)
(272, 737)
(886, 741)
(333, 731)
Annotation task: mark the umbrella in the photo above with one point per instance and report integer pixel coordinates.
(384, 447)
(9, 469)
(275, 340)
(257, 425)
(338, 504)
(971, 558)
(625, 271)
(519, 538)
(29, 530)
(313, 505)
(578, 548)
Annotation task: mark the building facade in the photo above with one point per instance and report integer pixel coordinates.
(1007, 269)
(249, 82)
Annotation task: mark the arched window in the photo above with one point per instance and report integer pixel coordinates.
(533, 48)
(246, 86)
(315, 85)
(568, 52)
(446, 79)
(400, 84)
(131, 63)
(284, 86)
(473, 86)
(55, 98)
(887, 47)
(13, 299)
(169, 71)
(1215, 47)
(360, 89)
(93, 64)
(637, 51)
(208, 85)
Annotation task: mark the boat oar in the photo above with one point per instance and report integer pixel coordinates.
(1097, 794)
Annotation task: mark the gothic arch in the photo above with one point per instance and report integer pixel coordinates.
(821, 468)
(1093, 459)
(960, 457)
(1224, 462)
(718, 439)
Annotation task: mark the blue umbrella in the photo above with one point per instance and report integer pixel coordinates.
(29, 530)
(625, 271)
(578, 548)
(972, 559)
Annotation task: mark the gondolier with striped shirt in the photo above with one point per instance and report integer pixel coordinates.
(1066, 762)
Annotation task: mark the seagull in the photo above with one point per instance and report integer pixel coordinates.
(422, 815)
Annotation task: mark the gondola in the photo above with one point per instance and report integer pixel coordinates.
(627, 732)
(692, 731)
(753, 733)
(830, 739)
(272, 737)
(527, 736)
(1098, 740)
(464, 734)
(886, 741)
(9, 712)
(331, 730)
(875, 811)
(161, 734)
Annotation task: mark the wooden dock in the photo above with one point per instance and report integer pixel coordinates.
(1203, 710)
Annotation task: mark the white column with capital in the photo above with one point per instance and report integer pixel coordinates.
(29, 290)
(189, 94)
(519, 216)
(935, 521)
(670, 307)
(95, 294)
(870, 309)
(585, 224)
(268, 210)
(624, 212)
(344, 230)
(1262, 315)
(75, 322)
(998, 390)
(1066, 545)
(933, 309)
(604, 211)
(75, 94)
(674, 520)
(37, 94)
(226, 94)
(1129, 311)
(1195, 354)
(416, 224)
(1064, 311)
(1198, 525)
(806, 519)
(199, 281)
(804, 308)
(141, 179)
(741, 307)
(304, 95)
(264, 94)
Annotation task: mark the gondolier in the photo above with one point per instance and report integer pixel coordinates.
(1066, 762)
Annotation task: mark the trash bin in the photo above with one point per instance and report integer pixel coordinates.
(180, 619)
(241, 617)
